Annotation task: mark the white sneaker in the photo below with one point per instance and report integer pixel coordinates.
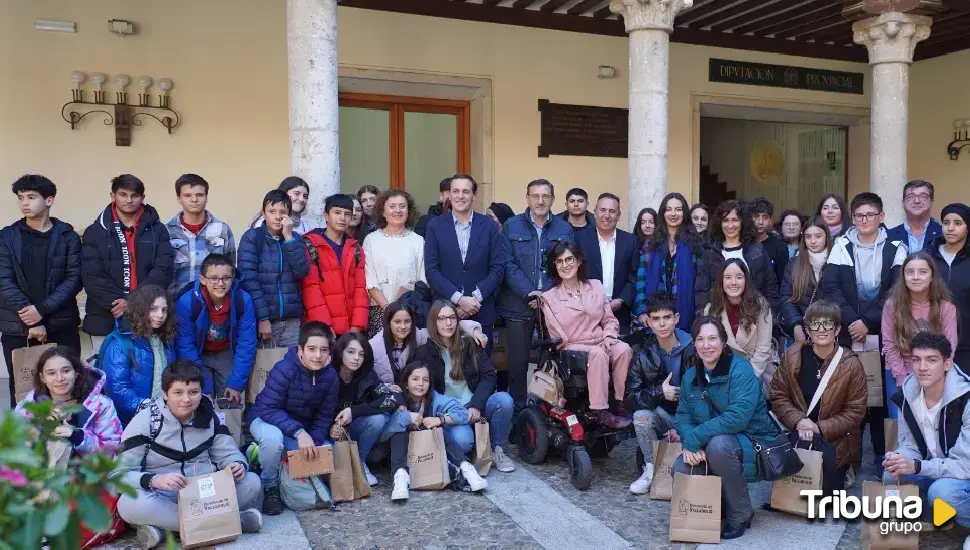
(475, 481)
(371, 478)
(148, 536)
(642, 484)
(966, 544)
(402, 481)
(501, 461)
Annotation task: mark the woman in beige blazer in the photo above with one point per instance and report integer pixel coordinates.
(746, 316)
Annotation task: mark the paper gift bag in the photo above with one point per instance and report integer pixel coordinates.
(892, 433)
(695, 508)
(300, 467)
(483, 448)
(24, 365)
(58, 454)
(500, 349)
(347, 482)
(664, 456)
(872, 364)
(208, 510)
(427, 462)
(266, 359)
(871, 537)
(786, 492)
(361, 487)
(231, 416)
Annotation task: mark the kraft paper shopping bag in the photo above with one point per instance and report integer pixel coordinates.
(208, 510)
(871, 535)
(872, 365)
(695, 508)
(786, 492)
(24, 366)
(266, 359)
(664, 456)
(483, 448)
(427, 461)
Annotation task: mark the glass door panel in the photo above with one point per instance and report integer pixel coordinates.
(430, 154)
(365, 148)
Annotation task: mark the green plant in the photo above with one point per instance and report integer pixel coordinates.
(38, 502)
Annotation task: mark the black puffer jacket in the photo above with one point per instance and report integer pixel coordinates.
(59, 309)
(102, 269)
(419, 300)
(644, 382)
(758, 264)
(793, 314)
(481, 381)
(365, 394)
(957, 278)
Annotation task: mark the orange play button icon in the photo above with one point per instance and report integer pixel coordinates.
(942, 512)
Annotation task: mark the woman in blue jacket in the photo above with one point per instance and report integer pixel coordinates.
(721, 411)
(425, 408)
(133, 361)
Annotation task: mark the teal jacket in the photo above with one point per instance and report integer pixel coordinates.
(738, 394)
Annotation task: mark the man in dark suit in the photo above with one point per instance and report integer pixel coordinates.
(617, 251)
(464, 257)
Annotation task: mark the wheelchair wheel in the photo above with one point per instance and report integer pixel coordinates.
(533, 436)
(580, 468)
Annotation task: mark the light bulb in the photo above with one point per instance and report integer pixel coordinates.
(145, 82)
(122, 80)
(97, 79)
(957, 124)
(77, 77)
(165, 84)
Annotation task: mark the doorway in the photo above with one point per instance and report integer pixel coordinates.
(401, 142)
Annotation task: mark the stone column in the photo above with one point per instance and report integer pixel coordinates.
(649, 24)
(311, 44)
(891, 39)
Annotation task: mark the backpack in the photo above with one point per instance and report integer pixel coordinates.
(315, 255)
(154, 426)
(308, 493)
(238, 306)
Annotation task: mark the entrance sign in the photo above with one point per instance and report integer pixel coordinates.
(782, 76)
(582, 130)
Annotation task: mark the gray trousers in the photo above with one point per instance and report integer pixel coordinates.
(650, 425)
(161, 509)
(286, 332)
(724, 460)
(219, 365)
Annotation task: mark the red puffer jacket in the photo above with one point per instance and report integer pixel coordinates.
(335, 292)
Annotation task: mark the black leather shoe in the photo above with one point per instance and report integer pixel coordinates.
(734, 530)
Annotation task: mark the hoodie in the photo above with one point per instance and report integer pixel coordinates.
(953, 431)
(868, 265)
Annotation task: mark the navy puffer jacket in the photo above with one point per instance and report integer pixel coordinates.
(63, 279)
(271, 273)
(296, 398)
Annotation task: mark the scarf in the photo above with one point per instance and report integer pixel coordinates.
(160, 361)
(128, 274)
(835, 229)
(818, 259)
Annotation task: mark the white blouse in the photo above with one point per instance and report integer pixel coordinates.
(393, 262)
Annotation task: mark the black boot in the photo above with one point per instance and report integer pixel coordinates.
(735, 530)
(272, 502)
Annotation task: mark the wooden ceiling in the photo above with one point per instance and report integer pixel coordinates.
(808, 28)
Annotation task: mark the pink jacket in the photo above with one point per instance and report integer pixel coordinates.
(586, 322)
(895, 363)
(98, 420)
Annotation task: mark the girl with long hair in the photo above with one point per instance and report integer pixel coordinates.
(134, 359)
(645, 227)
(835, 213)
(668, 261)
(733, 236)
(800, 287)
(461, 369)
(919, 302)
(746, 317)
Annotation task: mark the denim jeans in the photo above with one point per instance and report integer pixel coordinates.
(892, 411)
(498, 411)
(271, 443)
(955, 492)
(459, 439)
(649, 426)
(286, 332)
(724, 457)
(366, 430)
(219, 365)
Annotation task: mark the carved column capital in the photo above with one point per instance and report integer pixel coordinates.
(649, 14)
(891, 37)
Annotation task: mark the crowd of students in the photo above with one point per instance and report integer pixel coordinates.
(389, 323)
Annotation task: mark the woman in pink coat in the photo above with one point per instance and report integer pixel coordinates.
(577, 310)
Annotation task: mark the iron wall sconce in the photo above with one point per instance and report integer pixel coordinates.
(123, 115)
(961, 138)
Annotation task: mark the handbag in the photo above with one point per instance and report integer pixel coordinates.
(546, 384)
(777, 458)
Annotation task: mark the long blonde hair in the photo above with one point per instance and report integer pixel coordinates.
(459, 342)
(802, 274)
(902, 301)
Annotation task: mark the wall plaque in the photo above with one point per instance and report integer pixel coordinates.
(782, 76)
(582, 130)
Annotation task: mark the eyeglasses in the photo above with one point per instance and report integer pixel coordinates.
(868, 217)
(918, 197)
(570, 261)
(823, 325)
(219, 280)
(448, 319)
(543, 198)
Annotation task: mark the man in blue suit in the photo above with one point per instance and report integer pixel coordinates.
(920, 228)
(616, 250)
(464, 258)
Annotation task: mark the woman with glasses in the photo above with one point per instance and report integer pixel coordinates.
(819, 394)
(577, 311)
(460, 369)
(216, 328)
(790, 229)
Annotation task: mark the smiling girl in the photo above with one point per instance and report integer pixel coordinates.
(800, 287)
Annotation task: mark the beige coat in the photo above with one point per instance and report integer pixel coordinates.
(754, 345)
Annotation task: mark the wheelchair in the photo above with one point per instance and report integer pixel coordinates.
(569, 429)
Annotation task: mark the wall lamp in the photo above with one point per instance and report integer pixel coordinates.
(961, 138)
(125, 114)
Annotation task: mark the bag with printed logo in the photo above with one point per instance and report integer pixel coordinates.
(695, 508)
(872, 536)
(427, 461)
(208, 510)
(786, 492)
(664, 456)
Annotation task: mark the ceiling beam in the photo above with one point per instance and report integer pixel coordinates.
(758, 15)
(817, 25)
(792, 14)
(521, 3)
(841, 33)
(603, 12)
(758, 43)
(552, 5)
(584, 7)
(930, 50)
(830, 10)
(734, 11)
(488, 2)
(700, 12)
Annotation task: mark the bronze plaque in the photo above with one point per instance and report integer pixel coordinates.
(582, 130)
